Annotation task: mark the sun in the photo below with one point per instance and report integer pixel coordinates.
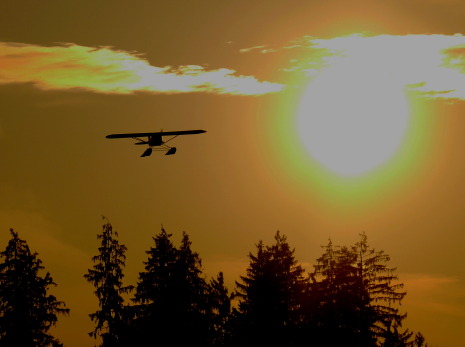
(352, 117)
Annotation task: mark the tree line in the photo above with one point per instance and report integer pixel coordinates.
(351, 298)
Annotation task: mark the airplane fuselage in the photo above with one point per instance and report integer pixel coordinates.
(155, 140)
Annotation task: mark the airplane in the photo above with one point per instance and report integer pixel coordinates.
(155, 140)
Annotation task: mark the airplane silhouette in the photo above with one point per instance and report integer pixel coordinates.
(155, 140)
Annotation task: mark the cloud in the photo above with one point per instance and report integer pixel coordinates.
(254, 48)
(106, 70)
(432, 65)
(262, 49)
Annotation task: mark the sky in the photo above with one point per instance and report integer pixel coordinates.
(324, 119)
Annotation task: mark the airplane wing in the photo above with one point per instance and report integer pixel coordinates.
(161, 133)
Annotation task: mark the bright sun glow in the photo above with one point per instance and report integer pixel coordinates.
(352, 117)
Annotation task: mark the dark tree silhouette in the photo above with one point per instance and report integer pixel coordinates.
(380, 284)
(172, 295)
(219, 302)
(339, 304)
(27, 311)
(270, 297)
(395, 338)
(419, 341)
(106, 276)
(154, 292)
(357, 298)
(192, 291)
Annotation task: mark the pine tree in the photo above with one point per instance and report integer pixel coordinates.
(419, 341)
(192, 300)
(172, 295)
(220, 311)
(270, 297)
(382, 288)
(395, 338)
(154, 293)
(253, 312)
(106, 276)
(292, 283)
(338, 302)
(27, 311)
(155, 283)
(357, 294)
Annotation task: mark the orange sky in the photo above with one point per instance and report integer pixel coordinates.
(73, 72)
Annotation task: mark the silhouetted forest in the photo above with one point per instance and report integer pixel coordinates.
(351, 298)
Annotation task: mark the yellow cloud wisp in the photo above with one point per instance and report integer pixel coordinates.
(105, 70)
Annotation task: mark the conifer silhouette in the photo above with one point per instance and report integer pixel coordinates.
(270, 297)
(106, 275)
(219, 302)
(27, 311)
(172, 295)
